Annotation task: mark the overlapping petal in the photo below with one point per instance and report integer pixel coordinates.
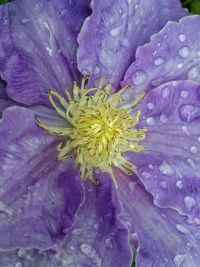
(170, 167)
(99, 238)
(39, 195)
(38, 46)
(5, 101)
(109, 38)
(172, 54)
(165, 237)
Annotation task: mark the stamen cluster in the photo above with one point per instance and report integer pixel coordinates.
(98, 131)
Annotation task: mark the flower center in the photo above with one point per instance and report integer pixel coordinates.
(98, 130)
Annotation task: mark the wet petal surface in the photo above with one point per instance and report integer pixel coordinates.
(165, 237)
(109, 38)
(172, 54)
(38, 46)
(169, 168)
(98, 238)
(39, 195)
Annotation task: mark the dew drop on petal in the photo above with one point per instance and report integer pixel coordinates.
(189, 202)
(179, 260)
(150, 106)
(193, 73)
(150, 121)
(184, 94)
(180, 65)
(194, 149)
(146, 175)
(184, 51)
(163, 118)
(96, 226)
(25, 20)
(139, 77)
(179, 184)
(191, 162)
(18, 264)
(181, 228)
(91, 253)
(115, 31)
(131, 186)
(181, 37)
(158, 61)
(108, 242)
(166, 92)
(163, 184)
(166, 169)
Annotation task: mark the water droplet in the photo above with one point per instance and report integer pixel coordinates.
(185, 130)
(184, 51)
(166, 169)
(165, 92)
(25, 20)
(191, 162)
(131, 186)
(179, 260)
(180, 65)
(115, 31)
(163, 118)
(139, 77)
(19, 264)
(136, 6)
(150, 106)
(189, 202)
(6, 210)
(108, 242)
(194, 149)
(146, 175)
(181, 228)
(193, 73)
(96, 226)
(150, 121)
(163, 185)
(184, 94)
(150, 166)
(91, 253)
(197, 220)
(198, 53)
(181, 37)
(77, 231)
(96, 70)
(189, 113)
(179, 184)
(158, 61)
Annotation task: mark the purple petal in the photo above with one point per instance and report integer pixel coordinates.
(109, 38)
(5, 101)
(169, 168)
(38, 46)
(39, 195)
(172, 54)
(165, 237)
(99, 238)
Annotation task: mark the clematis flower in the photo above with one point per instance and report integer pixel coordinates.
(136, 133)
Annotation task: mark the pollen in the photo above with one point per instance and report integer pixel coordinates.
(99, 128)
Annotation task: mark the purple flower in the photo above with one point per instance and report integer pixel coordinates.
(48, 215)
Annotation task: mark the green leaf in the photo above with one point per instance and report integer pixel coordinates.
(4, 1)
(195, 7)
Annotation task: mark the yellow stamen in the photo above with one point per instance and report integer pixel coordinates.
(100, 131)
